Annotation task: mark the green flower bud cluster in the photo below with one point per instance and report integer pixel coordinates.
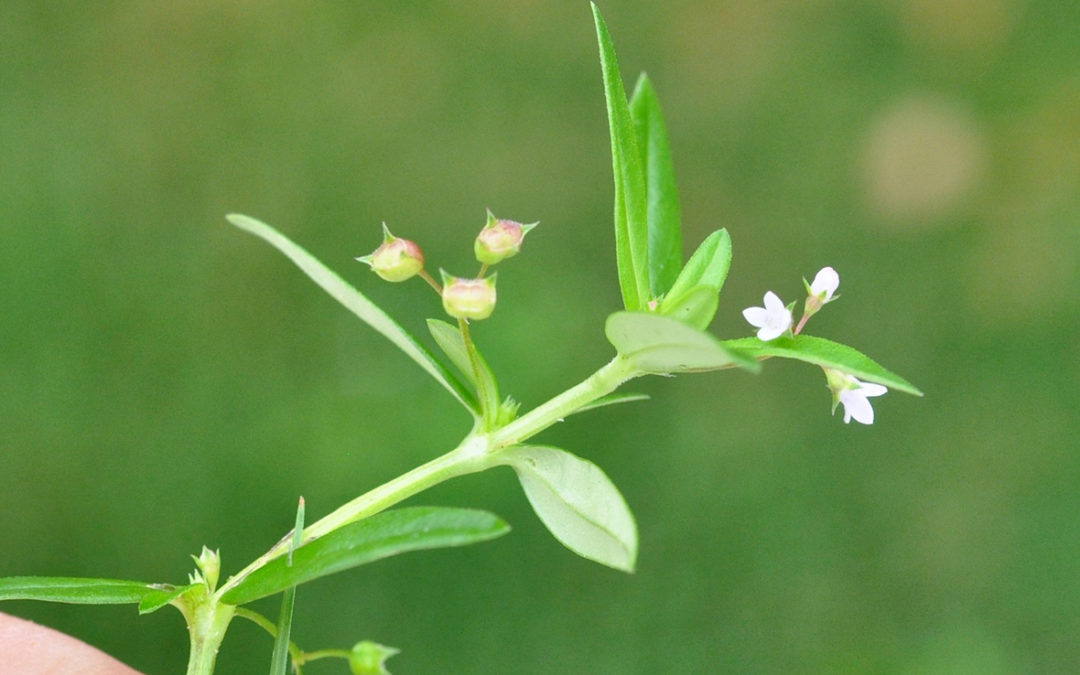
(400, 259)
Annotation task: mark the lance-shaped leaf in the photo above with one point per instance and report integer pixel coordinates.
(707, 267)
(611, 399)
(825, 353)
(665, 221)
(449, 339)
(163, 595)
(78, 591)
(631, 199)
(660, 344)
(358, 304)
(695, 308)
(380, 536)
(578, 503)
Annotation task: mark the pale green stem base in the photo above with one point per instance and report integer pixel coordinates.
(207, 624)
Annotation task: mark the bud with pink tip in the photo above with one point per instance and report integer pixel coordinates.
(500, 239)
(468, 298)
(396, 259)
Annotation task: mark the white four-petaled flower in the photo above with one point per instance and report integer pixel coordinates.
(772, 320)
(825, 284)
(854, 394)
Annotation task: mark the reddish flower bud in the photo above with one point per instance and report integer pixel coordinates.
(468, 298)
(396, 259)
(500, 239)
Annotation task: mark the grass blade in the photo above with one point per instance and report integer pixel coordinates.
(279, 662)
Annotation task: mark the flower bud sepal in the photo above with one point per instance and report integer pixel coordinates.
(369, 658)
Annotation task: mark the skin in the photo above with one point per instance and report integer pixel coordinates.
(30, 649)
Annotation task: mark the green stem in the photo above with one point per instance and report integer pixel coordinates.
(475, 453)
(468, 457)
(207, 624)
(308, 657)
(600, 383)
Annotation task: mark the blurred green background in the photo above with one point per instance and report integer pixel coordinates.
(167, 381)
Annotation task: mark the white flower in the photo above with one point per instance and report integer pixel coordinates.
(773, 320)
(825, 284)
(853, 394)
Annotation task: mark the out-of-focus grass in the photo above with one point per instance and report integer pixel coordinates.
(167, 382)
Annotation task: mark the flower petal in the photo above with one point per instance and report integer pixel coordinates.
(756, 316)
(872, 389)
(771, 332)
(773, 303)
(856, 405)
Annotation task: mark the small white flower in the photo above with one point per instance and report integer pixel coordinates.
(773, 320)
(853, 394)
(825, 283)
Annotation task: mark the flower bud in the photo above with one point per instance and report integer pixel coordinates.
(396, 259)
(821, 291)
(369, 658)
(209, 564)
(500, 239)
(468, 298)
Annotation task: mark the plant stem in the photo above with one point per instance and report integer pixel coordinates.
(468, 457)
(600, 383)
(207, 624)
(475, 453)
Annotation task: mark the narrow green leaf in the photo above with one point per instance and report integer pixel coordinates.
(451, 342)
(695, 308)
(358, 304)
(612, 399)
(660, 344)
(631, 200)
(75, 590)
(449, 339)
(665, 228)
(383, 535)
(578, 503)
(825, 353)
(707, 267)
(161, 596)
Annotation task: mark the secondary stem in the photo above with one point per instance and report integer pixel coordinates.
(600, 383)
(467, 458)
(475, 453)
